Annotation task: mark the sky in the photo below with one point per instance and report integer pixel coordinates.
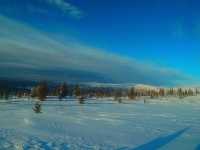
(126, 41)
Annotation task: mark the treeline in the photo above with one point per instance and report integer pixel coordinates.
(7, 91)
(78, 91)
(163, 92)
(12, 87)
(42, 89)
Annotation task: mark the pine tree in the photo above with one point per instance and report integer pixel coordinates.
(132, 93)
(37, 107)
(180, 93)
(77, 91)
(34, 92)
(118, 95)
(161, 92)
(63, 91)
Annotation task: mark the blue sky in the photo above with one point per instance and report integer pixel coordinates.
(143, 41)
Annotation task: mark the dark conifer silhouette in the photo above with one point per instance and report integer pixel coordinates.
(77, 91)
(37, 107)
(63, 91)
(132, 93)
(118, 95)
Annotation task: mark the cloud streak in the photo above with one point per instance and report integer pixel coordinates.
(66, 7)
(48, 8)
(29, 54)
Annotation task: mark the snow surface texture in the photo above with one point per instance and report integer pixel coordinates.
(100, 125)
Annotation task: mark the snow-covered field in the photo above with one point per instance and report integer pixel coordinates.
(168, 124)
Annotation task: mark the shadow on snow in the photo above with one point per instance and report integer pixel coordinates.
(158, 142)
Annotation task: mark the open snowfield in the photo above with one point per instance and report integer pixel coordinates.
(168, 124)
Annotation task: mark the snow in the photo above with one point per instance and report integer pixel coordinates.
(168, 123)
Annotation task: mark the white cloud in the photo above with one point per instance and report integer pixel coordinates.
(41, 7)
(28, 53)
(66, 7)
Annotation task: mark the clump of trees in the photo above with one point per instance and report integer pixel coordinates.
(4, 94)
(79, 94)
(62, 91)
(118, 94)
(187, 92)
(77, 91)
(132, 93)
(162, 92)
(40, 91)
